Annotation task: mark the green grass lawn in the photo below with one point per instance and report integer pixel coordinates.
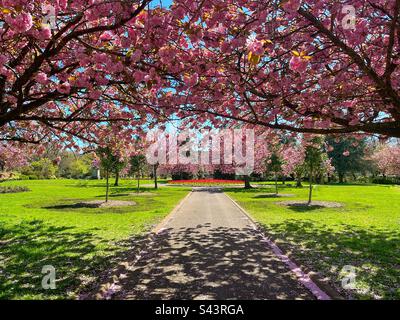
(39, 227)
(364, 233)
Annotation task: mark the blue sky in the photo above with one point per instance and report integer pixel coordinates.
(165, 3)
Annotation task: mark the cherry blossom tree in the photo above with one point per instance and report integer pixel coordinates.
(293, 162)
(12, 156)
(61, 63)
(387, 159)
(303, 66)
(113, 153)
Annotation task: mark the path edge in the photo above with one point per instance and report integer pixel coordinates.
(312, 281)
(113, 274)
(160, 226)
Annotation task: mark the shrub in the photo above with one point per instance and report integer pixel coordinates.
(363, 179)
(386, 180)
(7, 176)
(182, 175)
(13, 189)
(42, 169)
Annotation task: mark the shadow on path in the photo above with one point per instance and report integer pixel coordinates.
(205, 262)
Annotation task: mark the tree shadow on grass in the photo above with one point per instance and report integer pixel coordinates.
(78, 205)
(273, 196)
(374, 252)
(304, 208)
(27, 247)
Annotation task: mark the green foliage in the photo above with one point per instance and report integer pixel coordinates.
(41, 169)
(386, 180)
(274, 163)
(355, 162)
(109, 161)
(138, 165)
(74, 166)
(315, 157)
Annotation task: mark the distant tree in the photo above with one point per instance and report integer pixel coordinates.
(118, 167)
(348, 155)
(316, 161)
(138, 164)
(110, 161)
(74, 166)
(274, 165)
(79, 169)
(387, 159)
(13, 156)
(41, 169)
(293, 158)
(155, 175)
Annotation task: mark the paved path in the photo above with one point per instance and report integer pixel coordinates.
(209, 250)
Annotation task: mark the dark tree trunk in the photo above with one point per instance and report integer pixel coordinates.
(155, 177)
(298, 182)
(283, 179)
(107, 183)
(116, 184)
(247, 182)
(341, 177)
(310, 190)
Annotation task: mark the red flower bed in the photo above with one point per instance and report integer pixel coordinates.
(206, 182)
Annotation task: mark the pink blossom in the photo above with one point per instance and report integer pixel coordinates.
(41, 78)
(21, 22)
(291, 5)
(64, 88)
(255, 46)
(298, 64)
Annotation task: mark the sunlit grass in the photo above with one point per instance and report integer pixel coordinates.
(364, 233)
(79, 243)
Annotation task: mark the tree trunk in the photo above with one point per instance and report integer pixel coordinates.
(341, 177)
(116, 184)
(310, 190)
(276, 184)
(247, 182)
(155, 177)
(298, 182)
(107, 184)
(283, 179)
